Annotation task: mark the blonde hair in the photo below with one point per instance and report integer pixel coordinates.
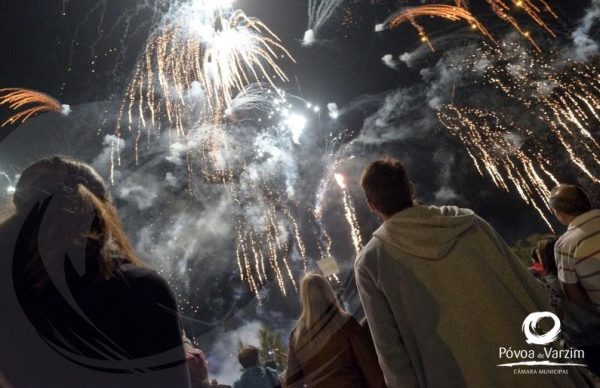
(322, 314)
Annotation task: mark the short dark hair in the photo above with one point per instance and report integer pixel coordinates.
(570, 199)
(248, 357)
(387, 186)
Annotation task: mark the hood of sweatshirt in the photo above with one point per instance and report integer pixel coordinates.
(428, 232)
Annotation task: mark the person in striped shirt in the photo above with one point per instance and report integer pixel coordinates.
(577, 251)
(577, 254)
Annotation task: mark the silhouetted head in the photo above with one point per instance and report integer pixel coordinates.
(248, 357)
(568, 202)
(387, 187)
(67, 216)
(56, 176)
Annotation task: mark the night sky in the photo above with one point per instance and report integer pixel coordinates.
(83, 52)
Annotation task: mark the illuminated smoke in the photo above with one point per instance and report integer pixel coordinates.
(584, 45)
(296, 124)
(309, 38)
(389, 61)
(334, 112)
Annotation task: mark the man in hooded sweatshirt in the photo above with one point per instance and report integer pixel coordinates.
(443, 294)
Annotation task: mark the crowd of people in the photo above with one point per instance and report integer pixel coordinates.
(441, 292)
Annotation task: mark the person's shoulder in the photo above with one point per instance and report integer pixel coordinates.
(369, 252)
(582, 226)
(451, 210)
(141, 276)
(568, 238)
(146, 282)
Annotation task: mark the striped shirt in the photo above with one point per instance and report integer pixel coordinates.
(577, 254)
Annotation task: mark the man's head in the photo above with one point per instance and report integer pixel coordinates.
(387, 187)
(248, 357)
(568, 202)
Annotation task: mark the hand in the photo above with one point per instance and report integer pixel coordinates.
(197, 365)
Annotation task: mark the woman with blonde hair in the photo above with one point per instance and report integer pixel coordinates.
(328, 347)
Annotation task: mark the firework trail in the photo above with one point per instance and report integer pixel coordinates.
(29, 103)
(335, 154)
(350, 214)
(498, 149)
(460, 11)
(318, 13)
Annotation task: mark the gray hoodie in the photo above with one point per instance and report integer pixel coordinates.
(443, 293)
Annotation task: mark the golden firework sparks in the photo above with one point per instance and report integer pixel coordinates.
(497, 149)
(563, 103)
(201, 65)
(31, 102)
(449, 12)
(567, 101)
(350, 213)
(461, 12)
(190, 75)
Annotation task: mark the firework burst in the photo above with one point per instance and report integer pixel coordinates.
(206, 69)
(191, 70)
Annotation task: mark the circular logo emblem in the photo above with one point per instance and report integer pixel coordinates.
(530, 328)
